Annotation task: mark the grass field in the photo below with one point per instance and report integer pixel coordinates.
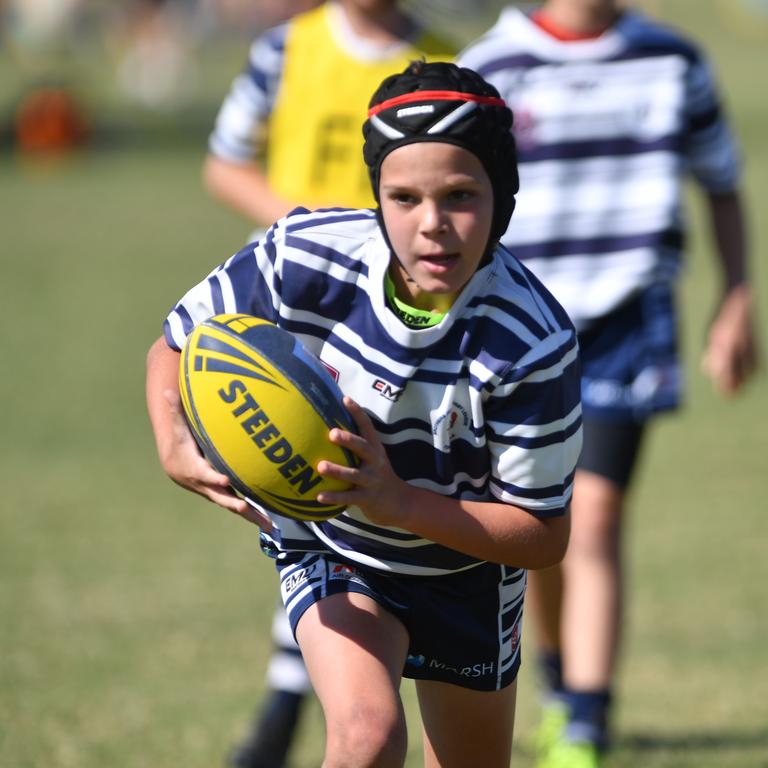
(134, 628)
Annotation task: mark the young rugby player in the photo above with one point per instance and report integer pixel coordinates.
(611, 109)
(288, 134)
(465, 477)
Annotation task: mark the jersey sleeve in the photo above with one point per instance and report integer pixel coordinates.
(534, 427)
(240, 130)
(711, 148)
(249, 282)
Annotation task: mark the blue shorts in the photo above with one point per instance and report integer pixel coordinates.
(611, 449)
(629, 360)
(464, 628)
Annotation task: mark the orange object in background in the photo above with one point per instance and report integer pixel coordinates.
(48, 119)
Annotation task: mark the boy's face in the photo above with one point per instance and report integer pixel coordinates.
(437, 204)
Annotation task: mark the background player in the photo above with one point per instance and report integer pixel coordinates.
(611, 109)
(407, 580)
(288, 134)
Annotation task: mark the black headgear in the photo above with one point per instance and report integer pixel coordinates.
(442, 102)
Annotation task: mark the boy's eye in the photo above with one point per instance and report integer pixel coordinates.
(460, 195)
(403, 198)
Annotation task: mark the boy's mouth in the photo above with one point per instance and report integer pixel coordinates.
(438, 261)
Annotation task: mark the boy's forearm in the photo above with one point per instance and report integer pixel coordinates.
(492, 531)
(162, 375)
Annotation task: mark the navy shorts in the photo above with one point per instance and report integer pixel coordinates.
(611, 449)
(464, 627)
(629, 360)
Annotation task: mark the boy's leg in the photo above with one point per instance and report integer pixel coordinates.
(464, 728)
(355, 650)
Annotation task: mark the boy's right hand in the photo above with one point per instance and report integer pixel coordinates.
(186, 466)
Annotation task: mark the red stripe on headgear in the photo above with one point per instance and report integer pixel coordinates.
(408, 98)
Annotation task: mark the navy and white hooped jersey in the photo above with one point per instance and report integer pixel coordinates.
(483, 406)
(606, 129)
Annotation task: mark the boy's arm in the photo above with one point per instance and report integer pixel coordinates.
(179, 455)
(730, 356)
(492, 531)
(488, 530)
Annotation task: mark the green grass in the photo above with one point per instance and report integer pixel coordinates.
(135, 618)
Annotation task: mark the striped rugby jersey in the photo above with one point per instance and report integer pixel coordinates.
(606, 130)
(483, 406)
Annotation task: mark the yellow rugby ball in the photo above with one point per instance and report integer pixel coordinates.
(260, 406)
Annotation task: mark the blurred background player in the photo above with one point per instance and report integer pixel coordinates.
(154, 44)
(611, 109)
(288, 134)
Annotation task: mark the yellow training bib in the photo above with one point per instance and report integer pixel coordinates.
(315, 152)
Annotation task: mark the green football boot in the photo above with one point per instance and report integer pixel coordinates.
(554, 717)
(572, 754)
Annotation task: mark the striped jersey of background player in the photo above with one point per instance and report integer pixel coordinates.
(611, 111)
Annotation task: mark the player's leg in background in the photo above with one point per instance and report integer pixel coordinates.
(543, 604)
(592, 608)
(272, 731)
(591, 600)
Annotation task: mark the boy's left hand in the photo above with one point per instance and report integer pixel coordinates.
(377, 490)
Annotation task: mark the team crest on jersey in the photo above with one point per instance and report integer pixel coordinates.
(447, 425)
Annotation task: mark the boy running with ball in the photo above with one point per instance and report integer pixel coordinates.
(466, 456)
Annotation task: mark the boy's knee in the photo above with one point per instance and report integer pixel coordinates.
(367, 736)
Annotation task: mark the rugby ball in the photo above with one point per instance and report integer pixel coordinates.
(260, 406)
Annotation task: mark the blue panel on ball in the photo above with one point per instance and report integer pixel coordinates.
(303, 370)
(215, 344)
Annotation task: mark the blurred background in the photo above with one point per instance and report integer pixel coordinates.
(134, 618)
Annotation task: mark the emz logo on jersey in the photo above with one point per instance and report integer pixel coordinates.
(387, 390)
(296, 579)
